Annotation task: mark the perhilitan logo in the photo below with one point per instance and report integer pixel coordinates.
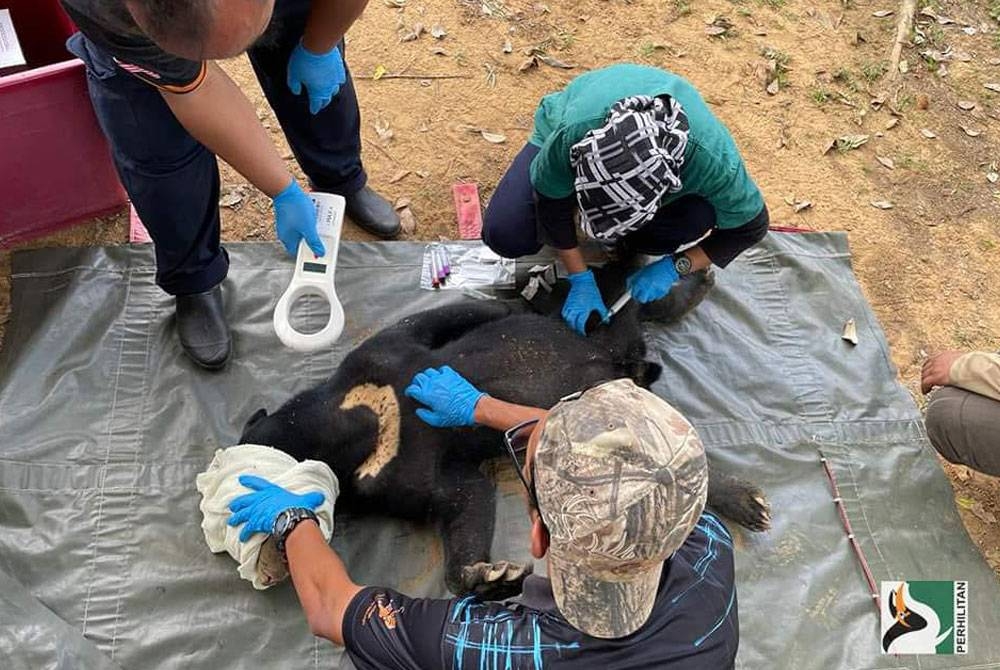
(925, 617)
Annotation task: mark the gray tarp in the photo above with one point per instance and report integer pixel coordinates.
(104, 425)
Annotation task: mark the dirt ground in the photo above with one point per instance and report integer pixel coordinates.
(787, 76)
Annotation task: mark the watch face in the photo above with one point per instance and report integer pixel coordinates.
(683, 265)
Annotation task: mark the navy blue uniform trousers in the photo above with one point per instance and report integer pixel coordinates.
(173, 180)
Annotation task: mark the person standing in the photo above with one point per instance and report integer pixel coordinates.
(168, 110)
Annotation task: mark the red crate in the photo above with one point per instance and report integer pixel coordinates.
(55, 167)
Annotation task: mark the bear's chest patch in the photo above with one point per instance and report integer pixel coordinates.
(381, 400)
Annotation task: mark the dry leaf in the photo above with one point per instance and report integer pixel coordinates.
(383, 130)
(494, 138)
(928, 133)
(379, 72)
(882, 204)
(555, 62)
(967, 503)
(232, 199)
(966, 105)
(801, 205)
(438, 32)
(423, 174)
(993, 61)
(848, 142)
(992, 177)
(399, 176)
(850, 333)
(883, 13)
(402, 203)
(399, 4)
(507, 46)
(993, 87)
(904, 66)
(892, 123)
(407, 222)
(887, 162)
(971, 132)
(415, 33)
(529, 63)
(982, 513)
(715, 31)
(772, 88)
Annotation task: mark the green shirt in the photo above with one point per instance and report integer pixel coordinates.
(713, 167)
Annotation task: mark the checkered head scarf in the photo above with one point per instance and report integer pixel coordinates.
(625, 167)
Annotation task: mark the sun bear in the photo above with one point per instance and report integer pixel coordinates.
(389, 462)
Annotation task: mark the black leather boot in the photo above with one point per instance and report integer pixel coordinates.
(373, 213)
(202, 328)
(683, 297)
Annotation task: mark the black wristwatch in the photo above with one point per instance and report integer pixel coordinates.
(682, 264)
(286, 522)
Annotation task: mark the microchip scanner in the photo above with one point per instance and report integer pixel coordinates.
(314, 276)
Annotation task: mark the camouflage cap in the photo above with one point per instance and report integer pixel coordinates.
(621, 479)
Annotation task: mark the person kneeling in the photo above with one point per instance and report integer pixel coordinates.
(639, 575)
(963, 415)
(650, 169)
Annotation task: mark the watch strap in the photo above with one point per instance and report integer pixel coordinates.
(286, 522)
(682, 264)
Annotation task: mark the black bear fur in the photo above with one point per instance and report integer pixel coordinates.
(503, 349)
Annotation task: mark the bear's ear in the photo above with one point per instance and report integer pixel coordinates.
(257, 416)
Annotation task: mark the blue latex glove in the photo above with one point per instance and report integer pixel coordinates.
(583, 299)
(450, 397)
(295, 218)
(653, 281)
(322, 75)
(258, 511)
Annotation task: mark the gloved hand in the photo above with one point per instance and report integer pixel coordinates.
(653, 281)
(450, 397)
(295, 218)
(322, 75)
(259, 510)
(584, 297)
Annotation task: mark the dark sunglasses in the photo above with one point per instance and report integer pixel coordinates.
(516, 440)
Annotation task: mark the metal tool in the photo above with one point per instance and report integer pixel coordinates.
(314, 275)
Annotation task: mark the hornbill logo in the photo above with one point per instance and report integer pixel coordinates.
(916, 628)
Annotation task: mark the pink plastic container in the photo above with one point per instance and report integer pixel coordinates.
(55, 167)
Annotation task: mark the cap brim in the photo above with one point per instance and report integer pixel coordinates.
(600, 608)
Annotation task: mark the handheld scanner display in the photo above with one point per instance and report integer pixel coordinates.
(314, 275)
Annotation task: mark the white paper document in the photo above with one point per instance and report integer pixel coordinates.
(10, 49)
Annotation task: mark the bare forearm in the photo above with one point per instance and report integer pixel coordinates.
(329, 21)
(219, 116)
(572, 260)
(321, 581)
(500, 415)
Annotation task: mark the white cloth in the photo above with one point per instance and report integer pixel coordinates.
(219, 485)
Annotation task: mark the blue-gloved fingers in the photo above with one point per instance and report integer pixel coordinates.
(290, 243)
(294, 83)
(315, 243)
(242, 516)
(243, 502)
(318, 103)
(412, 391)
(428, 417)
(254, 482)
(313, 499)
(246, 533)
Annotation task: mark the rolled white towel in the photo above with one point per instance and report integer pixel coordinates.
(257, 557)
